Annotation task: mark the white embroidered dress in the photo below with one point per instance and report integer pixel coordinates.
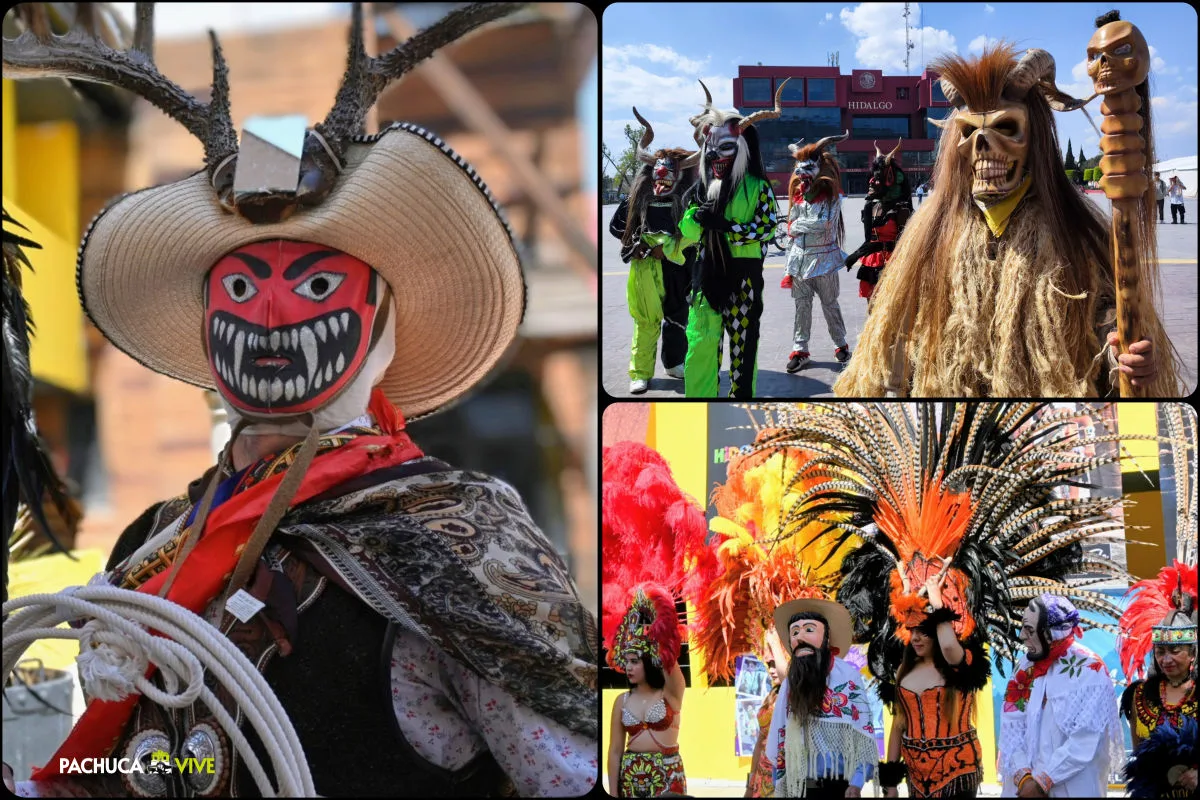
(1065, 731)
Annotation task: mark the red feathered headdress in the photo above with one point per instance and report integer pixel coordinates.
(648, 524)
(1150, 616)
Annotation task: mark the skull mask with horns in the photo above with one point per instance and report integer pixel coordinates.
(727, 139)
(888, 181)
(815, 166)
(993, 127)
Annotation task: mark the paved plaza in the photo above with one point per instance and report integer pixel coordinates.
(1177, 270)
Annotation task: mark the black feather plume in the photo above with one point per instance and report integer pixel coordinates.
(26, 474)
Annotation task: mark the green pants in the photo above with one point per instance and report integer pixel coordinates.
(705, 334)
(644, 294)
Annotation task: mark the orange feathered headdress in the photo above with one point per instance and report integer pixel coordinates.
(762, 565)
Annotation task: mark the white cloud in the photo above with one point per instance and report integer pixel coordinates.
(654, 54)
(981, 41)
(988, 9)
(1158, 66)
(828, 17)
(665, 100)
(1173, 114)
(1081, 86)
(879, 28)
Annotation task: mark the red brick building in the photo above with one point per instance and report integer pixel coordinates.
(822, 101)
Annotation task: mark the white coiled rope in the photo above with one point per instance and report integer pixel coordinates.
(116, 648)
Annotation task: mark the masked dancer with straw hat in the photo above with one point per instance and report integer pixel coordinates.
(408, 616)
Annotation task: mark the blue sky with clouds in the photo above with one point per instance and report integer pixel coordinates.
(652, 54)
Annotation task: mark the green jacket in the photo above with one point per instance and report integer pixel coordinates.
(753, 211)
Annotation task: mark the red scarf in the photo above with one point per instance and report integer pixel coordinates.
(1019, 688)
(203, 575)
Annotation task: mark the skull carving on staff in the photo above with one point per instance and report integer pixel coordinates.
(1118, 57)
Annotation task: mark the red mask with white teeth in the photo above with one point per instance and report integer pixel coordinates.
(288, 325)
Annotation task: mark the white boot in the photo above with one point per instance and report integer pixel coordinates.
(638, 387)
(676, 372)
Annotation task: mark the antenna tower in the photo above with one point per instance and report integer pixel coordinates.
(908, 42)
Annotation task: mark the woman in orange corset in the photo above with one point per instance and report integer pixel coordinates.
(933, 728)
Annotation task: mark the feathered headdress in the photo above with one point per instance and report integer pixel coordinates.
(648, 523)
(1164, 610)
(757, 544)
(28, 475)
(1162, 613)
(969, 499)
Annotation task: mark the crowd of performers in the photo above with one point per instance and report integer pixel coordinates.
(939, 545)
(1002, 285)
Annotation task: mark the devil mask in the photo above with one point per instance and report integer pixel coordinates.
(887, 182)
(288, 325)
(667, 167)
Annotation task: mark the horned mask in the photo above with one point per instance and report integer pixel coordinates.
(722, 136)
(666, 166)
(815, 166)
(993, 127)
(887, 179)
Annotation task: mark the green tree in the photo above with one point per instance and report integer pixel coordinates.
(627, 164)
(1083, 159)
(1069, 161)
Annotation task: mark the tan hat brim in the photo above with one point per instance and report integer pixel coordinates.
(404, 204)
(841, 628)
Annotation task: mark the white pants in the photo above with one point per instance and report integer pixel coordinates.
(825, 287)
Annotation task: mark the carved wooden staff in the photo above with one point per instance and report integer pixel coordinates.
(1118, 63)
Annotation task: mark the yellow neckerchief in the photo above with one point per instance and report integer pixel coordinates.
(997, 214)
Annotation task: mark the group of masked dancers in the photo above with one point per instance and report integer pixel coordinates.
(937, 566)
(1001, 286)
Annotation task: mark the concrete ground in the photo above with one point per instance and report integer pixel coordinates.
(1177, 271)
(708, 788)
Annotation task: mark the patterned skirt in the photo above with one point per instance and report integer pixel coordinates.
(652, 774)
(947, 767)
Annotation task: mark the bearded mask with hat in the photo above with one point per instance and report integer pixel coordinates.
(764, 570)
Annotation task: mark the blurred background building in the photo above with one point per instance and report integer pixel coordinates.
(516, 99)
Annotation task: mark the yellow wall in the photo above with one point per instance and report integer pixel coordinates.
(8, 92)
(1144, 531)
(41, 191)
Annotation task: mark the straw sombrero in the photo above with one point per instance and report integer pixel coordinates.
(400, 201)
(836, 617)
(404, 203)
